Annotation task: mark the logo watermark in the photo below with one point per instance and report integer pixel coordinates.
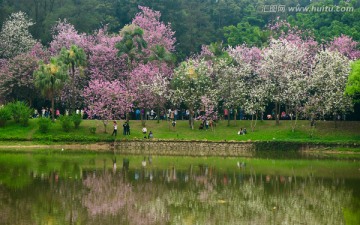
(305, 9)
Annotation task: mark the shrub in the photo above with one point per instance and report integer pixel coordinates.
(5, 115)
(77, 119)
(44, 124)
(92, 130)
(66, 123)
(21, 112)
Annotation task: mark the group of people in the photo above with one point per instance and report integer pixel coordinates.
(206, 123)
(242, 131)
(144, 131)
(47, 112)
(126, 128)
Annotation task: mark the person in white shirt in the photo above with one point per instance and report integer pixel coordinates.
(115, 129)
(144, 131)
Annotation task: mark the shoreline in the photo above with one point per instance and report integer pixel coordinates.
(188, 148)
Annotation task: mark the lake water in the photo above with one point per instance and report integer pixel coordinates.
(89, 188)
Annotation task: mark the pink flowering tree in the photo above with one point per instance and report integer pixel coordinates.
(209, 104)
(64, 36)
(20, 81)
(103, 61)
(107, 100)
(146, 47)
(140, 77)
(16, 75)
(150, 87)
(155, 31)
(346, 46)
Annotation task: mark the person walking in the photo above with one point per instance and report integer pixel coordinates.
(115, 129)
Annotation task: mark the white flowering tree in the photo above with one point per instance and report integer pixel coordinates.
(15, 36)
(230, 83)
(283, 66)
(159, 88)
(255, 87)
(191, 81)
(328, 84)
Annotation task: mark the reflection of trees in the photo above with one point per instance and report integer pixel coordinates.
(313, 203)
(112, 200)
(192, 198)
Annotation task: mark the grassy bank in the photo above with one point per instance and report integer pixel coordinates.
(325, 132)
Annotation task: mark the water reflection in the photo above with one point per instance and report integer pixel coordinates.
(200, 194)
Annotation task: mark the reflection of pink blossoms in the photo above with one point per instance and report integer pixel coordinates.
(107, 195)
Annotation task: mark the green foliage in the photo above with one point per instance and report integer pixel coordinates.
(66, 123)
(162, 55)
(76, 119)
(50, 79)
(195, 22)
(20, 112)
(132, 42)
(244, 33)
(92, 130)
(353, 84)
(5, 115)
(44, 125)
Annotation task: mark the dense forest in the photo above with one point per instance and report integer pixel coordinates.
(195, 22)
(111, 57)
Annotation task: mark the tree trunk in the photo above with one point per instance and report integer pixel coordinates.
(127, 117)
(142, 118)
(52, 108)
(335, 119)
(293, 123)
(105, 125)
(235, 113)
(228, 118)
(158, 114)
(253, 123)
(72, 110)
(191, 118)
(277, 109)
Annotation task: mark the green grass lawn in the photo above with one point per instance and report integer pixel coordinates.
(325, 132)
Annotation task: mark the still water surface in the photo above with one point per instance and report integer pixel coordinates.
(96, 189)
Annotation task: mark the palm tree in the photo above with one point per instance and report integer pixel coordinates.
(74, 57)
(131, 44)
(50, 79)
